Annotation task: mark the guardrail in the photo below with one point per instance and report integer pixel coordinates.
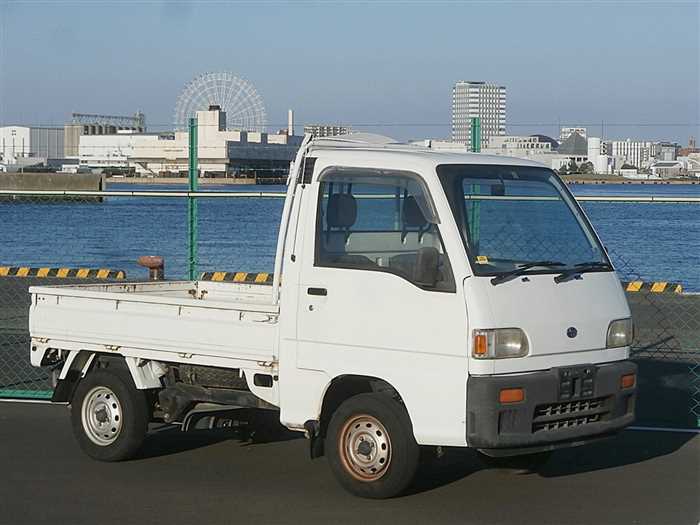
(281, 195)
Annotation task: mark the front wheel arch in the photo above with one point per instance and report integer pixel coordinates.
(370, 446)
(339, 390)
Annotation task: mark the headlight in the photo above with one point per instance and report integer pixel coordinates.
(619, 333)
(499, 343)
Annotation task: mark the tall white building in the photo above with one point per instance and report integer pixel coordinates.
(478, 99)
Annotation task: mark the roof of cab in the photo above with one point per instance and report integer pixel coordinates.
(377, 148)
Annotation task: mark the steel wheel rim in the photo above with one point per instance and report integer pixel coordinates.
(365, 448)
(101, 415)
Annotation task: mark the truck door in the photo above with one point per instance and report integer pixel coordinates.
(377, 296)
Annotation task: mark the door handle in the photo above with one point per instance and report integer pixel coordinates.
(317, 291)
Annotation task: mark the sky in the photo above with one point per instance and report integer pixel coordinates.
(383, 66)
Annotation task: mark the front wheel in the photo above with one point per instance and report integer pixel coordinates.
(109, 415)
(371, 448)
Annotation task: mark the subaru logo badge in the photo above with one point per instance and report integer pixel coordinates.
(571, 332)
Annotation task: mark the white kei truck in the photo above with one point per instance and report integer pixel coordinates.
(420, 298)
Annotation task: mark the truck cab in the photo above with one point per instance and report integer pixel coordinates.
(420, 298)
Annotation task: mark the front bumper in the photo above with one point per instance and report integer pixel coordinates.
(561, 407)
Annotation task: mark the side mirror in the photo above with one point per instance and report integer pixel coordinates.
(498, 190)
(427, 266)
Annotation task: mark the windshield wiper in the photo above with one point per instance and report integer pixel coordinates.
(578, 269)
(521, 270)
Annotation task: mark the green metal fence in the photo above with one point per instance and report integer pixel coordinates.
(237, 232)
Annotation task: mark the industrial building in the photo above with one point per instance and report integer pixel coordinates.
(565, 133)
(91, 124)
(667, 169)
(113, 150)
(575, 147)
(638, 153)
(326, 130)
(668, 151)
(478, 99)
(513, 144)
(220, 152)
(540, 148)
(26, 146)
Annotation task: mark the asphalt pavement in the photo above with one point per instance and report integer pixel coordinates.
(224, 477)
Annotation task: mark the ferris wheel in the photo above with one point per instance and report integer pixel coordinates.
(236, 96)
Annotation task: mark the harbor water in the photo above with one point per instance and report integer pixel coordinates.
(653, 241)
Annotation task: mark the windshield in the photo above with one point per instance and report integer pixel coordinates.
(513, 216)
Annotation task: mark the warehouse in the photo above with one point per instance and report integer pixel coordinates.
(23, 145)
(221, 153)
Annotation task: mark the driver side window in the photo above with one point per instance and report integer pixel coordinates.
(383, 223)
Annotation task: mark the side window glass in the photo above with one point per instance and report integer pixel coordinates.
(381, 223)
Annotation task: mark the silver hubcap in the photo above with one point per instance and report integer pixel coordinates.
(365, 448)
(102, 416)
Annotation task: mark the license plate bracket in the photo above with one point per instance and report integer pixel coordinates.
(577, 382)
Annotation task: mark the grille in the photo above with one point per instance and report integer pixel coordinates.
(570, 407)
(558, 416)
(565, 423)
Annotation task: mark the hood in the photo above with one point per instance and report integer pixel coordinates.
(550, 314)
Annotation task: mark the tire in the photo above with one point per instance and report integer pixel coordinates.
(109, 415)
(370, 446)
(526, 462)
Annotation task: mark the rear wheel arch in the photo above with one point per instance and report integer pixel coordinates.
(82, 364)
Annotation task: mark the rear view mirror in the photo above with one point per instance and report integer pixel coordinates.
(427, 266)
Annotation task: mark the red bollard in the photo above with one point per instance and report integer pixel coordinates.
(155, 265)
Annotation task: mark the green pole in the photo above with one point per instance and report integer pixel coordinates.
(192, 203)
(475, 215)
(475, 129)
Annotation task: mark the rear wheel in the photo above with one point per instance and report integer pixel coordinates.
(370, 446)
(109, 415)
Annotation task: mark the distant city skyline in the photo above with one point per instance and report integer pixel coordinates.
(386, 67)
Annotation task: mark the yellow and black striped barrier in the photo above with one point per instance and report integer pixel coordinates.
(238, 277)
(266, 278)
(653, 287)
(62, 273)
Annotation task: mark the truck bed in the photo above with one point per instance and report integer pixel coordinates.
(177, 320)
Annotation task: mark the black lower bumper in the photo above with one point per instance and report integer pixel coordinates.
(561, 407)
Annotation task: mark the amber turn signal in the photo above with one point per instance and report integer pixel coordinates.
(628, 380)
(481, 347)
(511, 395)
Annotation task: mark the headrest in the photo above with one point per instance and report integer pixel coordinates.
(341, 211)
(412, 215)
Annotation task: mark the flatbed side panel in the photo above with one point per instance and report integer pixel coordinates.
(182, 293)
(123, 287)
(247, 365)
(187, 329)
